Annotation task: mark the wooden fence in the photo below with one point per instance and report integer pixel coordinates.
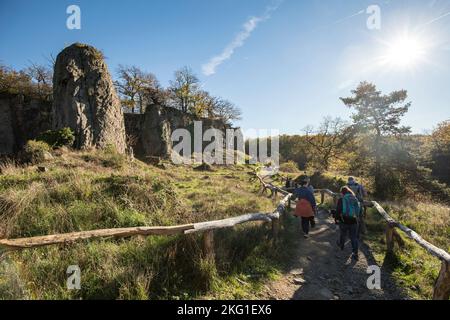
(442, 284)
(207, 228)
(441, 288)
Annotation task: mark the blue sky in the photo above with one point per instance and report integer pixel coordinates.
(284, 63)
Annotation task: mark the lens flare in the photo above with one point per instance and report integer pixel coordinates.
(404, 52)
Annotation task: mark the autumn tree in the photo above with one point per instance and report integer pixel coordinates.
(42, 76)
(15, 82)
(225, 110)
(379, 116)
(184, 89)
(203, 104)
(137, 88)
(440, 152)
(329, 140)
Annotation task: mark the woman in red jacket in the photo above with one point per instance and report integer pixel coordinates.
(306, 206)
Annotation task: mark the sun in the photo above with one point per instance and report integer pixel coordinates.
(404, 52)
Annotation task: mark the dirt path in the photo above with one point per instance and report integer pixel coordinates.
(321, 271)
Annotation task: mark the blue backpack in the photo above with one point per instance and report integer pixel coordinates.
(351, 207)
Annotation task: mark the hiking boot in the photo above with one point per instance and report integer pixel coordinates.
(305, 236)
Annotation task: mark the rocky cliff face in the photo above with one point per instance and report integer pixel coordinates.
(85, 99)
(21, 119)
(151, 132)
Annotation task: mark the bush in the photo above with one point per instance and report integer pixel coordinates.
(58, 138)
(36, 152)
(289, 167)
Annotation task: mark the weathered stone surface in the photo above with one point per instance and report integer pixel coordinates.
(85, 99)
(151, 132)
(7, 141)
(21, 119)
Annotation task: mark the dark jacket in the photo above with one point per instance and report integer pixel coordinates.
(305, 193)
(340, 218)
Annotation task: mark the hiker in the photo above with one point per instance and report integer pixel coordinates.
(357, 189)
(360, 194)
(306, 206)
(348, 210)
(289, 183)
(310, 187)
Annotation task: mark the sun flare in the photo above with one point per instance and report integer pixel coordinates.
(405, 52)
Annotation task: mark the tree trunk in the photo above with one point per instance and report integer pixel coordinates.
(378, 183)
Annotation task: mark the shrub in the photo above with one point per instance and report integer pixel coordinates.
(58, 138)
(35, 152)
(289, 167)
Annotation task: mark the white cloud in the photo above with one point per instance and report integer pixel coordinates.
(249, 26)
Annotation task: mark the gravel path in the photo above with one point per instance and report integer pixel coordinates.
(321, 271)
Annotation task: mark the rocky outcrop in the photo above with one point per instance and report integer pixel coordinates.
(85, 99)
(150, 133)
(21, 119)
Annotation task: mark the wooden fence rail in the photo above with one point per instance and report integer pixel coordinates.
(9, 245)
(442, 284)
(441, 288)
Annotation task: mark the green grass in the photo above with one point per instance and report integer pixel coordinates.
(412, 267)
(100, 189)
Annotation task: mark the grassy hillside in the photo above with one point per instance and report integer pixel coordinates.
(101, 189)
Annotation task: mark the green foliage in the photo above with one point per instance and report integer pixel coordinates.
(289, 167)
(440, 153)
(35, 152)
(58, 138)
(376, 112)
(378, 116)
(412, 267)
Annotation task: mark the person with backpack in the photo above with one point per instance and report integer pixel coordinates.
(347, 212)
(306, 206)
(360, 193)
(357, 189)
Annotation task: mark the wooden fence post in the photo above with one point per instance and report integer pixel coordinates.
(322, 197)
(208, 245)
(275, 228)
(390, 238)
(442, 284)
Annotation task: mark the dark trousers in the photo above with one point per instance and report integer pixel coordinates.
(352, 231)
(306, 222)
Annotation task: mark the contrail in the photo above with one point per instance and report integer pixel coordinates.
(349, 17)
(341, 20)
(248, 27)
(435, 19)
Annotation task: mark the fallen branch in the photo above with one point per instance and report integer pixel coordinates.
(17, 244)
